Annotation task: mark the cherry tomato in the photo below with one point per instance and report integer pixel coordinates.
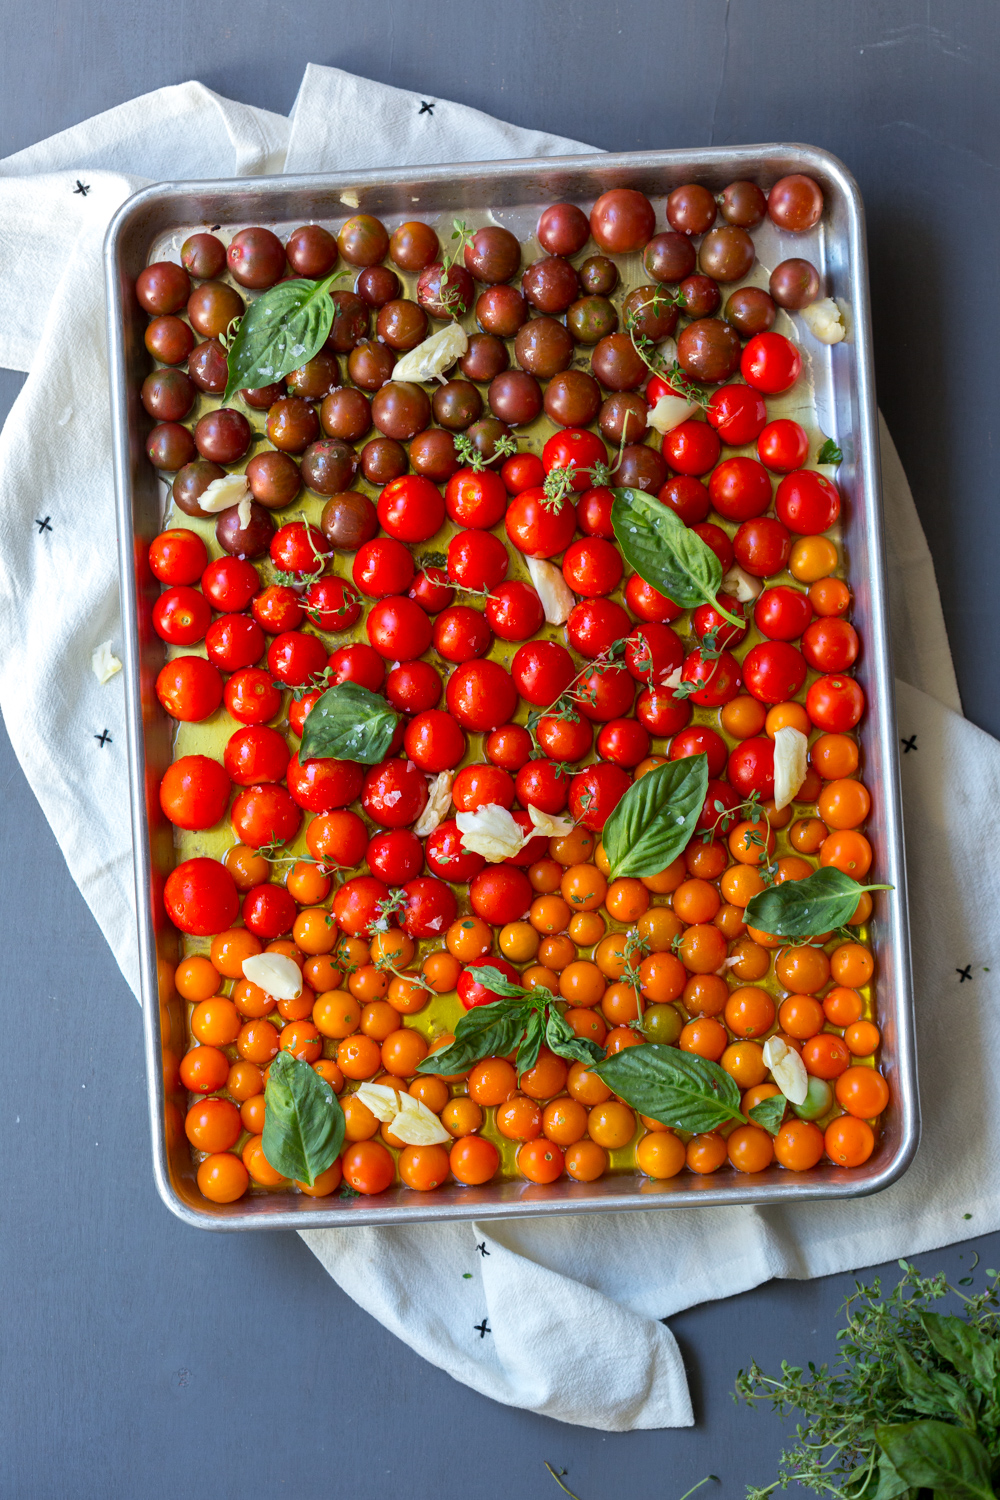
(461, 634)
(181, 616)
(234, 641)
(542, 670)
(500, 894)
(357, 663)
(260, 814)
(648, 603)
(652, 652)
(411, 508)
(830, 645)
(178, 556)
(624, 742)
(807, 502)
(770, 363)
(595, 793)
(577, 449)
(783, 446)
(700, 740)
(774, 672)
(472, 993)
(687, 496)
(713, 536)
(592, 567)
(514, 611)
(709, 620)
(594, 625)
(383, 567)
(522, 471)
(740, 489)
(478, 500)
(398, 629)
(782, 613)
(593, 513)
(605, 693)
(294, 656)
(719, 794)
(660, 712)
(189, 688)
(256, 755)
(835, 703)
(358, 903)
(751, 767)
(718, 679)
(692, 447)
(269, 911)
(509, 746)
(251, 697)
(544, 785)
(230, 583)
(761, 547)
(413, 687)
(434, 741)
(481, 695)
(477, 560)
(200, 897)
(278, 608)
(394, 793)
(395, 857)
(446, 857)
(539, 527)
(564, 739)
(332, 604)
(194, 792)
(323, 784)
(430, 589)
(297, 548)
(737, 413)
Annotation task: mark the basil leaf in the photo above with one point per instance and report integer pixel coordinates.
(485, 1031)
(667, 554)
(932, 1393)
(527, 1053)
(938, 1456)
(280, 330)
(769, 1113)
(497, 983)
(561, 1039)
(805, 908)
(655, 819)
(965, 1349)
(680, 1089)
(829, 453)
(349, 722)
(303, 1120)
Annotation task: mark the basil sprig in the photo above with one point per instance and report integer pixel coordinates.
(280, 331)
(655, 819)
(667, 554)
(826, 899)
(303, 1120)
(519, 1018)
(680, 1089)
(349, 722)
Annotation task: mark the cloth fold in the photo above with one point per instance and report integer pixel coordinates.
(562, 1315)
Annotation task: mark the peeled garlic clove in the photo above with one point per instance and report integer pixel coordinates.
(435, 355)
(244, 511)
(552, 589)
(231, 489)
(416, 1125)
(276, 975)
(438, 803)
(670, 411)
(825, 321)
(383, 1101)
(350, 198)
(673, 679)
(552, 827)
(742, 586)
(104, 664)
(787, 1069)
(791, 762)
(492, 832)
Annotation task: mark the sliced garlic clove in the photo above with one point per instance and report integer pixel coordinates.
(231, 489)
(276, 975)
(670, 411)
(435, 355)
(104, 664)
(416, 1125)
(244, 511)
(491, 831)
(552, 589)
(350, 198)
(383, 1101)
(673, 679)
(791, 762)
(825, 321)
(742, 586)
(438, 803)
(787, 1069)
(547, 823)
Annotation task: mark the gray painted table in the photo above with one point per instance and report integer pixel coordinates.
(146, 1359)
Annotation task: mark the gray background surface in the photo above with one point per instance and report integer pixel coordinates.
(145, 1359)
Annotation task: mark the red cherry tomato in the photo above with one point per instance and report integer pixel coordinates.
(770, 363)
(740, 489)
(357, 904)
(256, 754)
(234, 641)
(713, 536)
(592, 567)
(782, 613)
(251, 697)
(298, 548)
(835, 703)
(751, 767)
(605, 693)
(577, 449)
(500, 894)
(357, 663)
(661, 713)
(395, 857)
(181, 616)
(294, 657)
(807, 502)
(434, 741)
(624, 742)
(522, 471)
(447, 858)
(230, 583)
(478, 500)
(687, 496)
(737, 413)
(431, 590)
(774, 672)
(595, 625)
(189, 688)
(762, 547)
(472, 993)
(543, 784)
(200, 897)
(593, 513)
(720, 799)
(178, 556)
(399, 629)
(542, 671)
(481, 695)
(783, 446)
(708, 620)
(461, 634)
(536, 527)
(700, 740)
(383, 567)
(394, 793)
(332, 604)
(413, 687)
(509, 746)
(830, 645)
(269, 911)
(717, 678)
(194, 792)
(478, 786)
(692, 447)
(324, 784)
(652, 652)
(477, 560)
(411, 508)
(260, 814)
(279, 608)
(564, 739)
(648, 603)
(596, 792)
(514, 611)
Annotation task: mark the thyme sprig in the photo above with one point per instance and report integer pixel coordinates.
(504, 447)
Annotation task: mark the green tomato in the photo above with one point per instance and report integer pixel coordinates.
(662, 1023)
(817, 1101)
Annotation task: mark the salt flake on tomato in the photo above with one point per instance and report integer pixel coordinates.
(438, 803)
(231, 489)
(787, 1069)
(825, 321)
(435, 355)
(791, 762)
(491, 831)
(276, 975)
(558, 599)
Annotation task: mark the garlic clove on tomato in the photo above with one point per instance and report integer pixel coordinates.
(231, 489)
(825, 321)
(669, 412)
(553, 827)
(276, 975)
(791, 762)
(435, 355)
(741, 585)
(438, 803)
(787, 1069)
(416, 1125)
(383, 1100)
(491, 831)
(552, 589)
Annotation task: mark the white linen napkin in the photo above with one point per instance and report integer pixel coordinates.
(561, 1316)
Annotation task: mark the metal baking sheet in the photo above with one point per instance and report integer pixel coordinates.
(512, 193)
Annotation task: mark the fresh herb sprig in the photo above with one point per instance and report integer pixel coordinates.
(667, 554)
(823, 901)
(504, 447)
(912, 1405)
(280, 331)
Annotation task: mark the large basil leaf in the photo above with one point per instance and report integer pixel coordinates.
(667, 554)
(965, 1349)
(491, 978)
(936, 1394)
(769, 1113)
(527, 1053)
(655, 819)
(805, 908)
(563, 1040)
(485, 1031)
(349, 722)
(677, 1088)
(303, 1120)
(280, 330)
(938, 1456)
